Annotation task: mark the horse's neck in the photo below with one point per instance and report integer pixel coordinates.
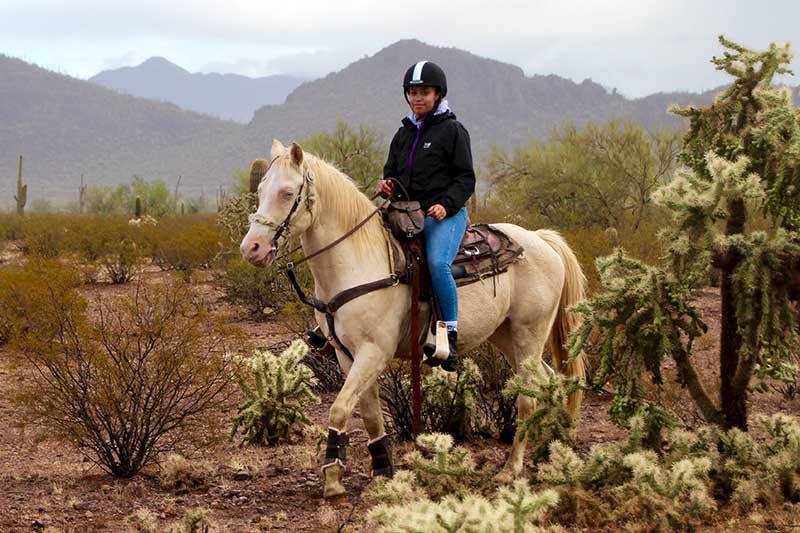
(346, 264)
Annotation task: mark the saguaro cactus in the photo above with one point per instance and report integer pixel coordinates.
(138, 208)
(257, 170)
(81, 196)
(22, 191)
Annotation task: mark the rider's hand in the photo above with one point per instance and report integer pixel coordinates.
(437, 211)
(385, 187)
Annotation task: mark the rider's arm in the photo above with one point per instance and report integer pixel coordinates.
(463, 184)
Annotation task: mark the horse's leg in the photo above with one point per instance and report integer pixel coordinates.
(370, 406)
(524, 343)
(369, 362)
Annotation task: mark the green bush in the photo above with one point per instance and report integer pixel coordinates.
(277, 392)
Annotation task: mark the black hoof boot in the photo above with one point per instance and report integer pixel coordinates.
(429, 360)
(381, 458)
(450, 364)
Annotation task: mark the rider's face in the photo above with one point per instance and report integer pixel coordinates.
(421, 99)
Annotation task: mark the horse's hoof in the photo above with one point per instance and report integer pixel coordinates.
(336, 499)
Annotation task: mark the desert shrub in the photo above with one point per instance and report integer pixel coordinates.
(327, 371)
(10, 227)
(194, 521)
(44, 235)
(186, 243)
(449, 400)
(550, 419)
(23, 290)
(121, 261)
(278, 392)
(125, 386)
(498, 411)
(181, 475)
(252, 287)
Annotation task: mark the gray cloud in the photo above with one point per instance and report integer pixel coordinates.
(638, 46)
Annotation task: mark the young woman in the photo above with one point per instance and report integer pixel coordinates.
(431, 156)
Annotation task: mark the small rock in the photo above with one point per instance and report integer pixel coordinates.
(243, 499)
(242, 475)
(134, 489)
(88, 514)
(80, 506)
(37, 524)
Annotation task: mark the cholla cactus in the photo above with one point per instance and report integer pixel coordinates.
(551, 420)
(278, 392)
(669, 495)
(234, 215)
(144, 220)
(448, 468)
(451, 400)
(513, 509)
(742, 153)
(399, 490)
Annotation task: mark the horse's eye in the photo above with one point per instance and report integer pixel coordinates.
(288, 195)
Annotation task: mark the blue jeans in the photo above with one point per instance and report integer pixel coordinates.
(441, 245)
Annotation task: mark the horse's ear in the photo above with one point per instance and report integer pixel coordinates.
(297, 154)
(277, 148)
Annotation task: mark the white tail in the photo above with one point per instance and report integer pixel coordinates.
(565, 324)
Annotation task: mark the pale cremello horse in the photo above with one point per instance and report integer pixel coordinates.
(316, 202)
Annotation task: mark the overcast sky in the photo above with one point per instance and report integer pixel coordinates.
(636, 46)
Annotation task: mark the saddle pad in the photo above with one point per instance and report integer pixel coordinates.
(484, 251)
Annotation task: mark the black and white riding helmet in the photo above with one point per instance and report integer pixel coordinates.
(425, 74)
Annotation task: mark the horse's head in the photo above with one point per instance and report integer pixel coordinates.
(285, 205)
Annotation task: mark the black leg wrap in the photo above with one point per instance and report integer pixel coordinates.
(337, 446)
(381, 458)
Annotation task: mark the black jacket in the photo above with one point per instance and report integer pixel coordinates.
(441, 172)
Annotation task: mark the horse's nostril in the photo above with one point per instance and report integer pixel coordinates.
(255, 247)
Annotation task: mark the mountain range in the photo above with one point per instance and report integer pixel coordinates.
(66, 127)
(227, 96)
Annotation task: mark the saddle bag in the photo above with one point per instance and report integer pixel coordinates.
(405, 219)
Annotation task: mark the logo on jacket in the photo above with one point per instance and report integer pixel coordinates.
(426, 145)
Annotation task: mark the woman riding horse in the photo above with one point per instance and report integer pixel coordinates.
(430, 156)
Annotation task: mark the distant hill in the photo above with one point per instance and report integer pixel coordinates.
(496, 101)
(227, 96)
(65, 126)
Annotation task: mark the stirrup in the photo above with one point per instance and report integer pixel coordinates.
(438, 353)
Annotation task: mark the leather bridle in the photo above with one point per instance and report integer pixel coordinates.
(329, 308)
